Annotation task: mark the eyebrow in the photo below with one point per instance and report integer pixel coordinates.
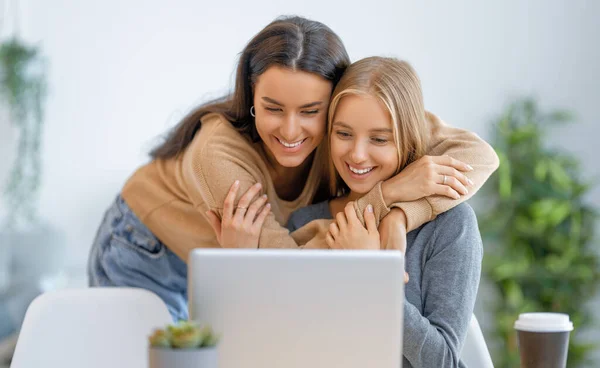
(275, 102)
(379, 130)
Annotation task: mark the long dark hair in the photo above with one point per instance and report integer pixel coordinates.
(292, 42)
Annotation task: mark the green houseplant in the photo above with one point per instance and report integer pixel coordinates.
(538, 230)
(31, 250)
(23, 92)
(186, 344)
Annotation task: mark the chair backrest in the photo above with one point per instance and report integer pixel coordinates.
(95, 327)
(475, 352)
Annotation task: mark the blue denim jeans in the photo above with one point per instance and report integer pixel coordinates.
(126, 253)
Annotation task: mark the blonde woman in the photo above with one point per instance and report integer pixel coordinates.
(377, 129)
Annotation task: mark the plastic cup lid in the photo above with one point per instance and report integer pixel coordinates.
(543, 322)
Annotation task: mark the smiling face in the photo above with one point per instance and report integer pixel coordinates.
(362, 145)
(291, 112)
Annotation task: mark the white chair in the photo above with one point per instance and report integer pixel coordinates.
(92, 328)
(475, 352)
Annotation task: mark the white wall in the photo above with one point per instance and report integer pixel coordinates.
(122, 72)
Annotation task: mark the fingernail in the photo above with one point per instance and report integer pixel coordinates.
(236, 183)
(370, 209)
(469, 167)
(268, 205)
(470, 181)
(264, 196)
(258, 185)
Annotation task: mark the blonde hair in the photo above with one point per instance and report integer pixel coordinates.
(395, 83)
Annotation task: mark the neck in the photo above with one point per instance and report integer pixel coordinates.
(288, 181)
(291, 174)
(337, 205)
(353, 196)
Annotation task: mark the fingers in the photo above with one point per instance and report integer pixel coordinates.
(351, 214)
(250, 217)
(334, 231)
(452, 182)
(370, 220)
(228, 204)
(446, 190)
(406, 278)
(461, 178)
(342, 223)
(452, 162)
(244, 203)
(260, 220)
(445, 171)
(329, 240)
(215, 223)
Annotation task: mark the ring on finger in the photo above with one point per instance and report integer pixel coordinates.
(445, 178)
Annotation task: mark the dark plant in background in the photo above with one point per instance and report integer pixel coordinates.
(539, 232)
(23, 91)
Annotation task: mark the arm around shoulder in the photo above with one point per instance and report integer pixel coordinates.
(461, 145)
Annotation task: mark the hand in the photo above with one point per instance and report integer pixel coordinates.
(393, 233)
(347, 232)
(241, 225)
(427, 176)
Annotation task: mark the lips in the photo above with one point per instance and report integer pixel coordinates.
(290, 147)
(292, 144)
(359, 173)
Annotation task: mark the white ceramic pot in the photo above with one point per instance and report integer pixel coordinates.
(183, 358)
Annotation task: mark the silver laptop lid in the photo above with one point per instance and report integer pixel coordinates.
(300, 308)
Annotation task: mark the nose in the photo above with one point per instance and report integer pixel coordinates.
(290, 128)
(359, 152)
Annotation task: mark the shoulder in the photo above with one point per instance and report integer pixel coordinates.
(462, 214)
(304, 215)
(434, 120)
(456, 217)
(217, 156)
(218, 132)
(457, 222)
(216, 142)
(455, 229)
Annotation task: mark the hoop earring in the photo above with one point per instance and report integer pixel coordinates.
(252, 111)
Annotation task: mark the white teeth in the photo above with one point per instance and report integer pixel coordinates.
(360, 172)
(290, 145)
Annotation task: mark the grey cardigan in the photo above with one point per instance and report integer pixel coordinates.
(443, 259)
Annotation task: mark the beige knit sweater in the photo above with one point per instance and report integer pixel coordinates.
(171, 196)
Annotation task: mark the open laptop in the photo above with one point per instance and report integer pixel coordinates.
(299, 309)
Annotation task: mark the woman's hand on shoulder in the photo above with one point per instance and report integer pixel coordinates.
(429, 175)
(241, 224)
(347, 232)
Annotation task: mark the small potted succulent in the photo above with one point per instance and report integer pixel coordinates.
(186, 344)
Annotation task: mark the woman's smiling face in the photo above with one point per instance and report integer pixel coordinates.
(362, 143)
(291, 113)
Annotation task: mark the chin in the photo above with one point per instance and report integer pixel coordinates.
(361, 189)
(291, 161)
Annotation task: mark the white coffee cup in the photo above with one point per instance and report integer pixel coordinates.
(543, 339)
